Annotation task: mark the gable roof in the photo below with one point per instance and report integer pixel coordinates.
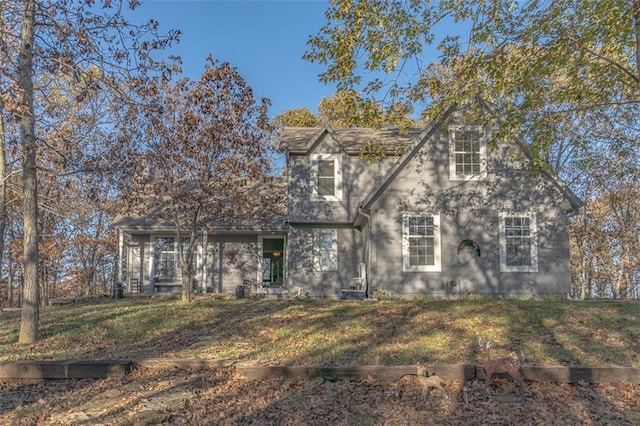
(414, 148)
(555, 180)
(433, 130)
(302, 140)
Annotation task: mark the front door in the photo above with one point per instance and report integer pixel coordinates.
(273, 261)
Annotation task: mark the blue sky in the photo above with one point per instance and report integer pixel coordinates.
(263, 39)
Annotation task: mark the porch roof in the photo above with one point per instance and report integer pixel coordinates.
(140, 224)
(265, 213)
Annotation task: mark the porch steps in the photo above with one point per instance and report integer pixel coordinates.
(351, 294)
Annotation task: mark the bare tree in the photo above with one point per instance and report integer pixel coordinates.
(65, 36)
(203, 157)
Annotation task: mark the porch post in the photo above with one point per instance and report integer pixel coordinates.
(205, 259)
(285, 260)
(220, 265)
(120, 252)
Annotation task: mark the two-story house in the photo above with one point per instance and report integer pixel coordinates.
(440, 212)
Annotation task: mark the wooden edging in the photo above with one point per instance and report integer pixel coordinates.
(377, 372)
(461, 372)
(48, 370)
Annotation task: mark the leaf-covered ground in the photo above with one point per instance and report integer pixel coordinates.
(220, 397)
(312, 332)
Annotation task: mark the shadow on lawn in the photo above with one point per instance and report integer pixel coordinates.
(321, 333)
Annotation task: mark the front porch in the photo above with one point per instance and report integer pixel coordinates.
(149, 262)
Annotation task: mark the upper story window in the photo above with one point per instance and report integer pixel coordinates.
(467, 153)
(326, 177)
(421, 243)
(518, 242)
(325, 249)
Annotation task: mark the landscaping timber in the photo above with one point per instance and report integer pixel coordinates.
(46, 370)
(378, 372)
(584, 374)
(98, 369)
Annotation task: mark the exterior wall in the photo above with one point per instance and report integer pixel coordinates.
(469, 210)
(358, 179)
(470, 273)
(301, 268)
(234, 259)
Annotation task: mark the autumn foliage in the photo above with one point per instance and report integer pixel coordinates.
(196, 154)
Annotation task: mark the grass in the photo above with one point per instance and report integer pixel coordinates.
(320, 332)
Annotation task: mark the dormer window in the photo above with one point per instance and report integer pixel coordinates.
(326, 177)
(467, 153)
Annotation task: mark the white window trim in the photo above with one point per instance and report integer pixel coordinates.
(197, 256)
(337, 190)
(452, 157)
(176, 260)
(406, 265)
(318, 263)
(503, 243)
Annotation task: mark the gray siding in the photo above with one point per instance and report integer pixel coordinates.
(469, 210)
(472, 274)
(233, 260)
(301, 267)
(358, 179)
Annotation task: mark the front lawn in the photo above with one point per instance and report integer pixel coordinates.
(318, 332)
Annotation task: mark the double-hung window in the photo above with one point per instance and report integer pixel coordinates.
(518, 242)
(325, 249)
(467, 153)
(326, 177)
(165, 257)
(421, 243)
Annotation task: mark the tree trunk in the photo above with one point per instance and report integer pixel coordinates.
(10, 287)
(186, 287)
(44, 285)
(636, 24)
(187, 272)
(30, 302)
(93, 257)
(186, 265)
(3, 191)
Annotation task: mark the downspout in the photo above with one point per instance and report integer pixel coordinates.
(368, 293)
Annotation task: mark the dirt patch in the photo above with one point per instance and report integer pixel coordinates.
(219, 396)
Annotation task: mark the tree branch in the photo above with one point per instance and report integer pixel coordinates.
(621, 67)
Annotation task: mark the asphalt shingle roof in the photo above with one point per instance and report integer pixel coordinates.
(296, 139)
